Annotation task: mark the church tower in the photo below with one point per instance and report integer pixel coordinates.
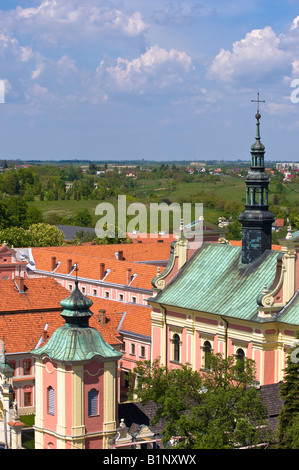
(76, 383)
(256, 220)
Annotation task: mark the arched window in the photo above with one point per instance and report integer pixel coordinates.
(176, 347)
(93, 402)
(51, 400)
(240, 356)
(207, 348)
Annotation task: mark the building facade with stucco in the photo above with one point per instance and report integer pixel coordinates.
(239, 301)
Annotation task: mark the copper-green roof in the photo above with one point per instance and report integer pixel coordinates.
(214, 280)
(76, 344)
(76, 341)
(290, 313)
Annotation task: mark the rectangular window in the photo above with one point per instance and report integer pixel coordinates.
(94, 292)
(132, 348)
(27, 399)
(142, 351)
(134, 300)
(123, 346)
(51, 401)
(27, 367)
(121, 297)
(83, 290)
(70, 287)
(107, 295)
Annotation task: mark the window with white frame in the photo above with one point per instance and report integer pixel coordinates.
(132, 348)
(207, 350)
(51, 400)
(240, 358)
(176, 348)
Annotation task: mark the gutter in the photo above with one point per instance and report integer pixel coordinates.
(67, 277)
(226, 328)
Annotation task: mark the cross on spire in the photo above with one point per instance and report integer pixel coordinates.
(258, 101)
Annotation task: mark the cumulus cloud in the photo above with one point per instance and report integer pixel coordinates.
(73, 19)
(157, 67)
(252, 57)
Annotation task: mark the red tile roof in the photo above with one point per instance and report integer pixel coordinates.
(89, 267)
(23, 316)
(39, 294)
(133, 252)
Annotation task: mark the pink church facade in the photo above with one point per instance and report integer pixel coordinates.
(183, 334)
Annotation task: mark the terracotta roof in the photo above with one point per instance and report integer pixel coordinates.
(136, 319)
(39, 294)
(23, 317)
(89, 267)
(133, 252)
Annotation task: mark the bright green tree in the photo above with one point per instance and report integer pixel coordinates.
(45, 235)
(218, 408)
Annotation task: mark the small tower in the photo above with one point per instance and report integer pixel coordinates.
(76, 383)
(256, 220)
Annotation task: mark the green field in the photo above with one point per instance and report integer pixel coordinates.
(228, 188)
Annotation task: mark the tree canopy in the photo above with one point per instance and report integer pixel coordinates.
(215, 408)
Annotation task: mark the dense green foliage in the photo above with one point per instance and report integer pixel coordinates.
(218, 408)
(35, 235)
(68, 193)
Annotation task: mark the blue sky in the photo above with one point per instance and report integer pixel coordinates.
(161, 80)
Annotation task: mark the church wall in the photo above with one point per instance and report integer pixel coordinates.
(269, 367)
(94, 379)
(49, 380)
(50, 442)
(69, 395)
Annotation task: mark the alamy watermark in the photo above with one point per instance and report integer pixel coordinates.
(183, 220)
(295, 93)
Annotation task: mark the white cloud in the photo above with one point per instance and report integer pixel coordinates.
(26, 53)
(252, 57)
(295, 23)
(156, 68)
(73, 19)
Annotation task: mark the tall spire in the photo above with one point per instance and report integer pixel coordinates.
(256, 220)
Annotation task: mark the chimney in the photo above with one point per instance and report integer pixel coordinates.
(120, 255)
(53, 263)
(69, 266)
(129, 275)
(102, 316)
(45, 332)
(20, 284)
(102, 270)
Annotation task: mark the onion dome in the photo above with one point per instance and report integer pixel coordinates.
(76, 341)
